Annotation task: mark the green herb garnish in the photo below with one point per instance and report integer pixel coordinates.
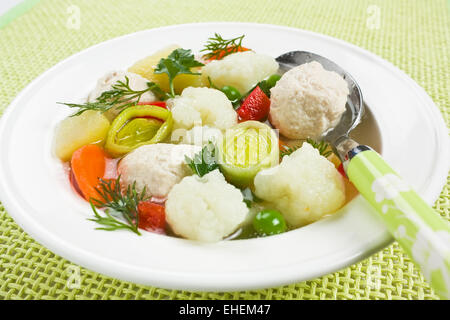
(322, 146)
(211, 84)
(249, 197)
(205, 161)
(288, 150)
(120, 96)
(217, 47)
(180, 61)
(125, 204)
(265, 87)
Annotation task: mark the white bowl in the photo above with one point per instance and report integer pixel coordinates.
(35, 189)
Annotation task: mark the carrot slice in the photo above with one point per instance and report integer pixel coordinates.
(282, 145)
(220, 54)
(350, 190)
(88, 165)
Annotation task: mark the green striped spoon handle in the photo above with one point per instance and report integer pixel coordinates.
(420, 230)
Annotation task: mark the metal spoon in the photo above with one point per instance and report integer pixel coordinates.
(414, 224)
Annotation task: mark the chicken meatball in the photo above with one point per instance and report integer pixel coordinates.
(156, 167)
(307, 101)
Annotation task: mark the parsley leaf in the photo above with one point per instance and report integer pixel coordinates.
(205, 161)
(180, 61)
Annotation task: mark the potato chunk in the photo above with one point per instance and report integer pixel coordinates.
(75, 132)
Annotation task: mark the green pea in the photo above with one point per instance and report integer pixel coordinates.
(272, 80)
(269, 222)
(232, 93)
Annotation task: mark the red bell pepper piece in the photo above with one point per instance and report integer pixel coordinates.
(341, 170)
(152, 217)
(161, 104)
(255, 107)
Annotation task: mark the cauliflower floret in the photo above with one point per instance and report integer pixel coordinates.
(304, 187)
(205, 209)
(136, 82)
(202, 106)
(198, 135)
(241, 70)
(157, 167)
(307, 101)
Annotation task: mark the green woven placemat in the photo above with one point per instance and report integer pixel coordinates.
(412, 34)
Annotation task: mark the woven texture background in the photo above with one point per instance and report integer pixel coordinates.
(414, 35)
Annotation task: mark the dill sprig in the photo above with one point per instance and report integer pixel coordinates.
(120, 96)
(322, 146)
(288, 150)
(123, 203)
(217, 47)
(205, 161)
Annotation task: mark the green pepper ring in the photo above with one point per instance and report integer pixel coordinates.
(136, 112)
